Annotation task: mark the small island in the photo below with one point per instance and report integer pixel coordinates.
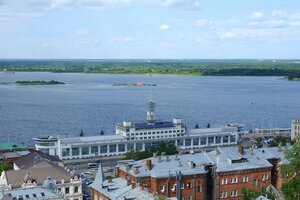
(134, 84)
(52, 82)
(292, 78)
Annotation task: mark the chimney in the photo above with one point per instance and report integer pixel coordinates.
(149, 164)
(279, 146)
(163, 153)
(127, 167)
(129, 182)
(167, 158)
(180, 164)
(191, 164)
(251, 151)
(177, 157)
(154, 154)
(116, 170)
(133, 185)
(109, 180)
(159, 159)
(241, 149)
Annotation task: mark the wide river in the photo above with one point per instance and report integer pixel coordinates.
(90, 102)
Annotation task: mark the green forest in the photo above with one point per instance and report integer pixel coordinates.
(285, 68)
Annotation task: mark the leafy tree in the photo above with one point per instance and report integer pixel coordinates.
(197, 126)
(291, 189)
(4, 166)
(161, 197)
(249, 194)
(208, 125)
(101, 132)
(81, 133)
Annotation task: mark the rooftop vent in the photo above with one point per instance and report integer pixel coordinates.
(163, 153)
(191, 164)
(154, 154)
(191, 151)
(177, 157)
(159, 159)
(280, 146)
(167, 158)
(180, 164)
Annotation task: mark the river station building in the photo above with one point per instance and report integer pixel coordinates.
(140, 136)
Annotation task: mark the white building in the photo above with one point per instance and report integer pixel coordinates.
(139, 136)
(295, 129)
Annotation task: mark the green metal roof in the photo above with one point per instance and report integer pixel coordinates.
(12, 146)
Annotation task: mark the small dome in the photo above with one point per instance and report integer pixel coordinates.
(49, 184)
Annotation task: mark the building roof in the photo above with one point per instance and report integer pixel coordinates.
(229, 159)
(165, 166)
(32, 193)
(16, 154)
(5, 146)
(272, 153)
(93, 139)
(39, 172)
(30, 159)
(118, 189)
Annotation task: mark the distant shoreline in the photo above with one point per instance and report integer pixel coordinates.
(52, 82)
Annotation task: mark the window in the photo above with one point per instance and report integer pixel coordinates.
(211, 140)
(223, 194)
(225, 139)
(75, 189)
(85, 151)
(195, 141)
(189, 185)
(103, 149)
(203, 141)
(245, 179)
(162, 188)
(234, 180)
(27, 196)
(188, 142)
(218, 139)
(94, 149)
(139, 146)
(224, 181)
(182, 186)
(189, 198)
(174, 188)
(34, 195)
(121, 147)
(75, 151)
(42, 193)
(255, 182)
(234, 193)
(67, 190)
(65, 152)
(199, 188)
(179, 142)
(232, 138)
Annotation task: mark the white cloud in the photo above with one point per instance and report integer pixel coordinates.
(269, 24)
(91, 42)
(201, 40)
(128, 39)
(81, 31)
(204, 23)
(257, 16)
(182, 4)
(278, 14)
(228, 35)
(164, 27)
(294, 23)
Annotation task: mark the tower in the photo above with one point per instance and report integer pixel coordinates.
(150, 111)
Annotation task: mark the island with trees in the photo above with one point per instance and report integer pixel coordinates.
(247, 67)
(52, 82)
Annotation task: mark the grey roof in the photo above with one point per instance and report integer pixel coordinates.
(39, 192)
(30, 159)
(16, 154)
(40, 172)
(229, 159)
(119, 189)
(93, 139)
(169, 167)
(272, 153)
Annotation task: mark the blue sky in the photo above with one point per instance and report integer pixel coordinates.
(99, 29)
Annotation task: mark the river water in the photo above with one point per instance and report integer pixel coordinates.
(90, 102)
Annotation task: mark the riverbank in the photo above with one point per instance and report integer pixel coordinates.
(52, 82)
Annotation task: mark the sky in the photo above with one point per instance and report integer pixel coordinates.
(145, 29)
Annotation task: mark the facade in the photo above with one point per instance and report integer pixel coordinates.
(218, 174)
(295, 129)
(66, 182)
(139, 136)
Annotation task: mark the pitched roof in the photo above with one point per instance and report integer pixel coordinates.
(39, 173)
(30, 159)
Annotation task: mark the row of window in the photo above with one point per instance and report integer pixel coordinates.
(182, 186)
(157, 132)
(244, 179)
(233, 193)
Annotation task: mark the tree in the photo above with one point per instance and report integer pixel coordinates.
(249, 194)
(208, 125)
(196, 126)
(101, 132)
(4, 166)
(81, 133)
(291, 189)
